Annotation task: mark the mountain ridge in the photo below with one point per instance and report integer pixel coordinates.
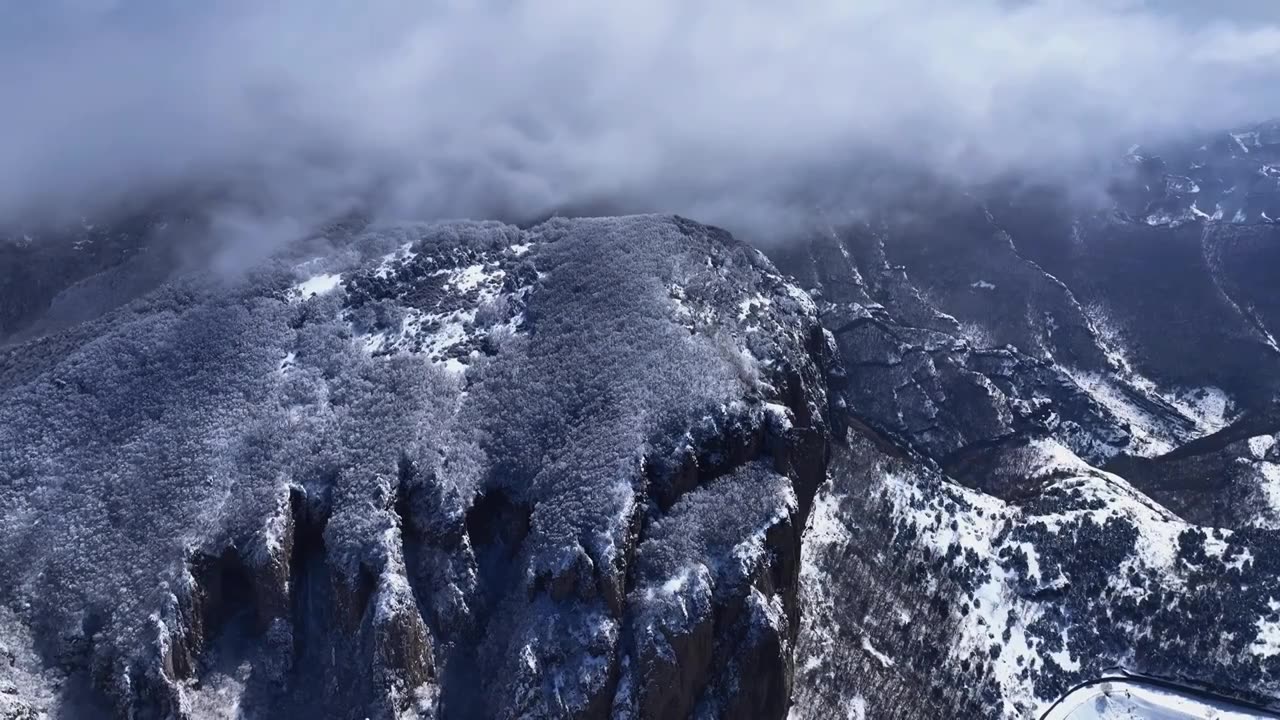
(950, 458)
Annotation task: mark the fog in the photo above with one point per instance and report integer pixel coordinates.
(728, 110)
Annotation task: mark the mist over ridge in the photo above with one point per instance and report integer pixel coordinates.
(731, 112)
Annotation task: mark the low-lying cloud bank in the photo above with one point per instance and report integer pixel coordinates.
(716, 108)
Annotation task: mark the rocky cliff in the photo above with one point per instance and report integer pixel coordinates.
(460, 470)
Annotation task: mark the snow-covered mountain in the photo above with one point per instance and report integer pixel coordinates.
(1060, 456)
(464, 469)
(957, 457)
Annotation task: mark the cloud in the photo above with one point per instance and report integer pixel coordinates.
(722, 109)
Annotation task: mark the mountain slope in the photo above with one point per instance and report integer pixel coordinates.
(984, 448)
(971, 557)
(453, 468)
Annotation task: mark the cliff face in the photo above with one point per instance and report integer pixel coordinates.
(463, 470)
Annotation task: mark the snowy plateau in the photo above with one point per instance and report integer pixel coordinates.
(978, 454)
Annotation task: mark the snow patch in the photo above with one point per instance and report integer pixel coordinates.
(1150, 437)
(400, 255)
(753, 304)
(856, 708)
(880, 657)
(825, 526)
(1131, 397)
(1217, 213)
(472, 277)
(780, 413)
(27, 689)
(1269, 483)
(1063, 657)
(317, 285)
(801, 297)
(1245, 140)
(1261, 445)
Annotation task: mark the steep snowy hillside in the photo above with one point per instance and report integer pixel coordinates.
(1061, 455)
(926, 599)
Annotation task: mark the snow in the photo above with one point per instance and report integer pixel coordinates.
(826, 532)
(825, 526)
(1267, 643)
(217, 696)
(24, 683)
(486, 279)
(1217, 213)
(856, 708)
(780, 413)
(425, 701)
(318, 285)
(439, 331)
(454, 366)
(375, 342)
(1241, 138)
(771, 606)
(755, 303)
(1033, 559)
(529, 658)
(451, 329)
(400, 255)
(1121, 699)
(1261, 445)
(880, 657)
(1165, 218)
(976, 525)
(1063, 657)
(975, 334)
(801, 297)
(470, 277)
(675, 584)
(1208, 408)
(1150, 437)
(274, 529)
(1057, 459)
(974, 521)
(749, 551)
(1269, 481)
